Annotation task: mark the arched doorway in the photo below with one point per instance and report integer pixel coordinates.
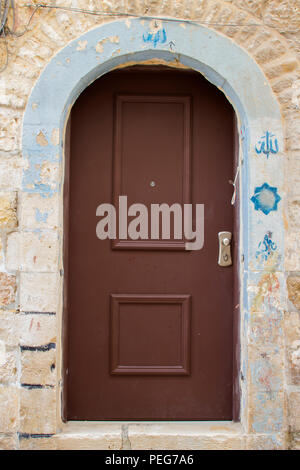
(150, 324)
(233, 71)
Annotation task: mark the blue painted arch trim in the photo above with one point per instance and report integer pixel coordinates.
(73, 68)
(118, 43)
(218, 58)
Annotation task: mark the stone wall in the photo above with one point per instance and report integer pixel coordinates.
(31, 225)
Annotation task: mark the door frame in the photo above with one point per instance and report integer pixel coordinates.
(236, 391)
(226, 65)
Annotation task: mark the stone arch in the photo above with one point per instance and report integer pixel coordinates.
(240, 21)
(232, 70)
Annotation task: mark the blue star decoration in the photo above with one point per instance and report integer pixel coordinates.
(265, 198)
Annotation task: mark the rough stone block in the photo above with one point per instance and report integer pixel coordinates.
(1, 254)
(36, 330)
(8, 366)
(40, 252)
(266, 411)
(269, 51)
(39, 292)
(89, 442)
(292, 250)
(9, 399)
(294, 441)
(13, 251)
(281, 14)
(294, 213)
(266, 369)
(32, 251)
(9, 128)
(266, 328)
(265, 442)
(38, 410)
(8, 208)
(293, 286)
(280, 67)
(293, 133)
(140, 441)
(292, 342)
(38, 367)
(9, 331)
(11, 173)
(90, 436)
(293, 178)
(7, 289)
(37, 443)
(8, 442)
(294, 410)
(253, 6)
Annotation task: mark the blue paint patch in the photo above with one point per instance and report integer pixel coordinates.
(267, 144)
(32, 181)
(41, 216)
(268, 416)
(263, 376)
(266, 247)
(32, 185)
(159, 37)
(265, 198)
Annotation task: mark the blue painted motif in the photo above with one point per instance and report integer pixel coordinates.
(265, 198)
(266, 247)
(159, 37)
(267, 144)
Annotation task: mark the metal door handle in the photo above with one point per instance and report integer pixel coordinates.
(224, 249)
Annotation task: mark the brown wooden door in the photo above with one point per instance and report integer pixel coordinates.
(150, 325)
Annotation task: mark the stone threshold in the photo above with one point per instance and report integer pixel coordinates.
(151, 435)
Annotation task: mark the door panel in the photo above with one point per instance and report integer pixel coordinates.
(150, 334)
(150, 325)
(162, 123)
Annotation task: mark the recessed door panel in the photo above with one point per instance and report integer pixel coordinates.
(147, 129)
(150, 334)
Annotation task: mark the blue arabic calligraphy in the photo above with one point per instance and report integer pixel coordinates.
(267, 144)
(266, 247)
(160, 36)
